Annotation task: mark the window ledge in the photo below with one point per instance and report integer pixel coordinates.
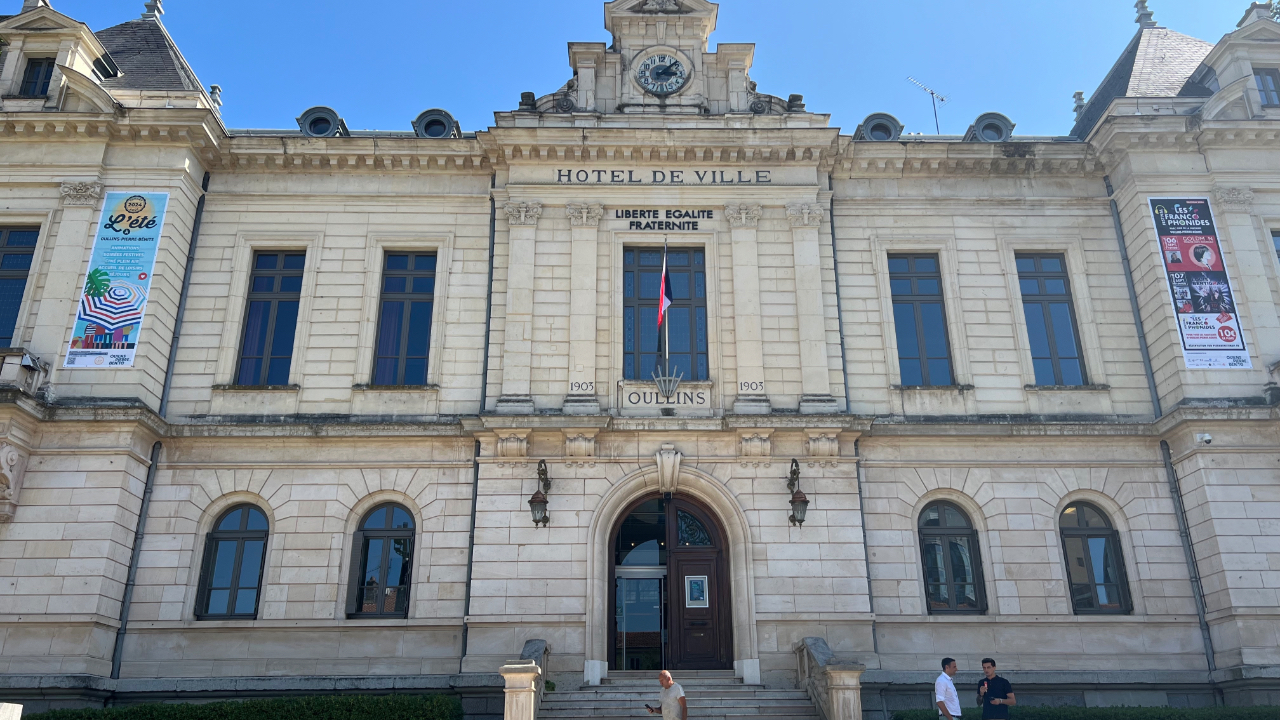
(257, 388)
(933, 388)
(395, 388)
(1067, 388)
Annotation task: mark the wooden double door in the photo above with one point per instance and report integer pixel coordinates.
(669, 589)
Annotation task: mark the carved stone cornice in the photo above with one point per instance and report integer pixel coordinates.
(743, 215)
(1234, 199)
(76, 194)
(523, 213)
(584, 214)
(804, 214)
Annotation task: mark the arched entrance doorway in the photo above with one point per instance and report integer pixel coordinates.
(669, 588)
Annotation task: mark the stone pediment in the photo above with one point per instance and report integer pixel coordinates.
(41, 19)
(659, 7)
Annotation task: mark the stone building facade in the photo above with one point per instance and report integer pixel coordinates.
(469, 308)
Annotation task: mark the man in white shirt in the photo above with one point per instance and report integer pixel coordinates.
(944, 691)
(671, 702)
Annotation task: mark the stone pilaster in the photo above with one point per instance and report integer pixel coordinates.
(585, 221)
(66, 267)
(751, 396)
(816, 398)
(1251, 246)
(522, 223)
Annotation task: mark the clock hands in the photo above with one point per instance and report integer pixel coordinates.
(667, 72)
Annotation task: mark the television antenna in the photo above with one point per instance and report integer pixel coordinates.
(938, 99)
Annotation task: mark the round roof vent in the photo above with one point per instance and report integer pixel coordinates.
(879, 127)
(435, 123)
(321, 121)
(990, 128)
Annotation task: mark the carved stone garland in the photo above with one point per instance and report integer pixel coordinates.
(1235, 199)
(743, 215)
(804, 214)
(81, 194)
(11, 468)
(584, 214)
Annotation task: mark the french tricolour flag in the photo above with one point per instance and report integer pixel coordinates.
(665, 302)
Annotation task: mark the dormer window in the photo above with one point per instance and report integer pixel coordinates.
(1269, 85)
(39, 73)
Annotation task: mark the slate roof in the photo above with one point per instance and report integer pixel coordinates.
(147, 57)
(1157, 63)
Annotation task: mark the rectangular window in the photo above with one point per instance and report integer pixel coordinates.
(39, 72)
(924, 355)
(1268, 80)
(1275, 240)
(404, 319)
(642, 342)
(17, 246)
(275, 289)
(1051, 320)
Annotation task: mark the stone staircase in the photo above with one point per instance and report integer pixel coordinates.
(711, 694)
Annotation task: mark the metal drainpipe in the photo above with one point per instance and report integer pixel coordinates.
(1197, 589)
(182, 298)
(835, 271)
(138, 534)
(1133, 301)
(866, 549)
(484, 386)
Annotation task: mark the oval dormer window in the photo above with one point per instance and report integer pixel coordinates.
(320, 126)
(992, 132)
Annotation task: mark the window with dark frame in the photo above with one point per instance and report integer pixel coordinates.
(920, 320)
(18, 245)
(231, 574)
(1268, 80)
(404, 319)
(1051, 320)
(1275, 240)
(642, 339)
(35, 83)
(382, 564)
(275, 289)
(952, 561)
(1095, 564)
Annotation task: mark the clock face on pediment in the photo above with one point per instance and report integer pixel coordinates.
(662, 74)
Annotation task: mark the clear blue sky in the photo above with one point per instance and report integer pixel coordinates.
(381, 62)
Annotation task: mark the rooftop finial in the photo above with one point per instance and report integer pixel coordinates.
(215, 95)
(29, 5)
(1080, 103)
(154, 9)
(1146, 18)
(1259, 11)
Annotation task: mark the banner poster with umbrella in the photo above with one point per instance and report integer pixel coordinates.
(113, 301)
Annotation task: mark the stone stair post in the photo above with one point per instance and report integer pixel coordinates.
(521, 679)
(834, 685)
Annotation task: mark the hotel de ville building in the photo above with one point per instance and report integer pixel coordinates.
(323, 410)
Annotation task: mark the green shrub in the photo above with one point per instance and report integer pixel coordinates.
(313, 707)
(1113, 713)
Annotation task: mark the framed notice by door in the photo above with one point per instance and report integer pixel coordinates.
(695, 592)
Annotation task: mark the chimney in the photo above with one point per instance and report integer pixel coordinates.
(215, 96)
(154, 9)
(1080, 104)
(29, 5)
(1146, 18)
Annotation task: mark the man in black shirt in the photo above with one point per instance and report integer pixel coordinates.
(995, 694)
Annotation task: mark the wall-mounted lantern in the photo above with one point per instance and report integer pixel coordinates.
(799, 503)
(538, 502)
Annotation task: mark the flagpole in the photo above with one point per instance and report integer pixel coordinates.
(666, 317)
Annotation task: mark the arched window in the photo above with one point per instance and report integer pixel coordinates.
(231, 575)
(1095, 566)
(383, 559)
(952, 561)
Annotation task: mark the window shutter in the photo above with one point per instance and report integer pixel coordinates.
(353, 586)
(1125, 595)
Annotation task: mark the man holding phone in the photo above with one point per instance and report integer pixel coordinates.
(671, 701)
(995, 694)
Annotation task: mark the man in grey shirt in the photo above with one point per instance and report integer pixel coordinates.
(671, 702)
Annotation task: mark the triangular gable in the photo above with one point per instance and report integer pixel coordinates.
(1261, 31)
(661, 7)
(41, 19)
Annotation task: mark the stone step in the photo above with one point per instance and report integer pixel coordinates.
(684, 682)
(562, 696)
(695, 702)
(700, 714)
(677, 674)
